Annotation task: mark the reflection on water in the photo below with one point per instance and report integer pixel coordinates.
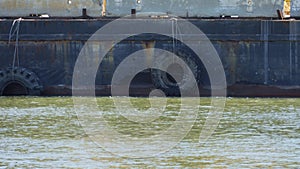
(253, 133)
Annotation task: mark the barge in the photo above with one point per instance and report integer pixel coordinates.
(257, 42)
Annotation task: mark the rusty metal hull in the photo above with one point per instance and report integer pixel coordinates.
(260, 56)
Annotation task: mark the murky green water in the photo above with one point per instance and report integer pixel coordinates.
(253, 133)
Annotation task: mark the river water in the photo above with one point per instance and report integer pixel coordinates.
(252, 133)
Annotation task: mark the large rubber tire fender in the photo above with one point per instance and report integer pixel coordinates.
(161, 81)
(23, 77)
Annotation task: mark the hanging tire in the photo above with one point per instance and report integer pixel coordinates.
(19, 81)
(165, 82)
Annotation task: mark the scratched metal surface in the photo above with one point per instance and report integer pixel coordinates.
(191, 8)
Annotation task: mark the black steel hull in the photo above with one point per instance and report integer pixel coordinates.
(260, 56)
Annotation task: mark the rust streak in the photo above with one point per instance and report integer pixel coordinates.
(149, 52)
